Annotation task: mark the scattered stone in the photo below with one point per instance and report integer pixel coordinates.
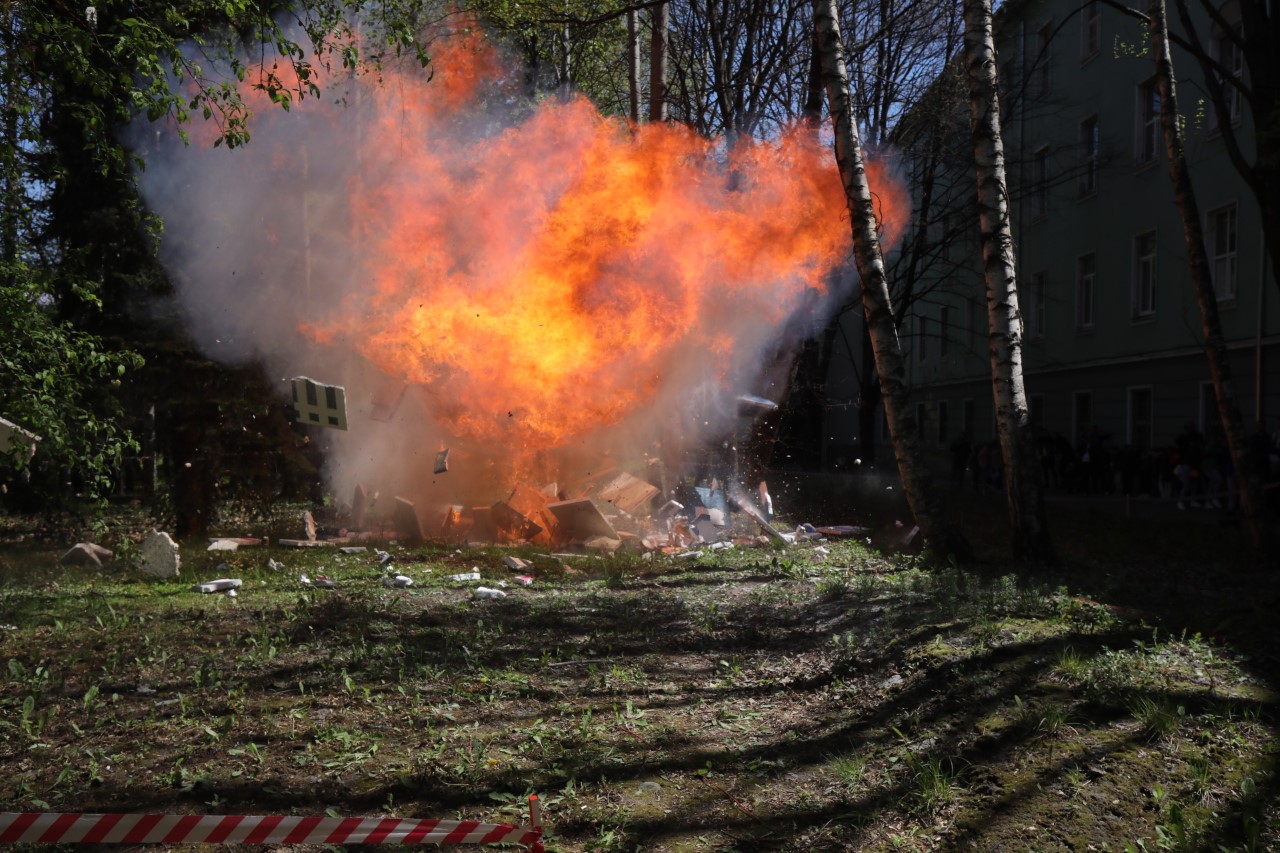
(359, 506)
(353, 549)
(484, 592)
(319, 582)
(275, 565)
(223, 545)
(397, 580)
(408, 525)
(516, 564)
(158, 556)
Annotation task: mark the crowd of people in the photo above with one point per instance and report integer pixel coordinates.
(1196, 471)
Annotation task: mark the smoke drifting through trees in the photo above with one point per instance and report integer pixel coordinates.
(552, 283)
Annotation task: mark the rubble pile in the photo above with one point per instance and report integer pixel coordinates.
(606, 512)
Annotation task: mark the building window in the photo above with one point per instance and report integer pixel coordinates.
(1090, 30)
(977, 322)
(1040, 71)
(1040, 182)
(966, 419)
(942, 422)
(1210, 419)
(1222, 250)
(1089, 145)
(1086, 272)
(1148, 147)
(1034, 305)
(920, 419)
(1140, 420)
(922, 346)
(944, 329)
(1081, 415)
(1035, 409)
(1226, 49)
(1144, 275)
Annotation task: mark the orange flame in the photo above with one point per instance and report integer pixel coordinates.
(550, 277)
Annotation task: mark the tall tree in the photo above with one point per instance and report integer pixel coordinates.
(633, 63)
(658, 62)
(1023, 475)
(901, 58)
(1197, 256)
(916, 479)
(71, 233)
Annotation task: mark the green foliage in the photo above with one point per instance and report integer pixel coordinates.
(58, 381)
(74, 245)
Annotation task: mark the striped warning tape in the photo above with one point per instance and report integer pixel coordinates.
(74, 828)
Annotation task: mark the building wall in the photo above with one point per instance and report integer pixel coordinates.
(1153, 343)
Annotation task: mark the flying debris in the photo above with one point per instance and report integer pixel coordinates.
(324, 405)
(751, 403)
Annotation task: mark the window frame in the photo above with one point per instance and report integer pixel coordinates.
(1080, 430)
(1040, 183)
(1042, 70)
(1130, 423)
(1218, 40)
(1217, 256)
(1037, 289)
(1086, 308)
(1147, 118)
(1090, 30)
(1141, 308)
(1088, 153)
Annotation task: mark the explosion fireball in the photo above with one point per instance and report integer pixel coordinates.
(542, 280)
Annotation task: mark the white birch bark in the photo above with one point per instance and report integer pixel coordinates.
(916, 479)
(1023, 475)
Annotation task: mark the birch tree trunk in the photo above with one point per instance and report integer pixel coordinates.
(633, 63)
(658, 63)
(916, 480)
(1023, 475)
(1215, 348)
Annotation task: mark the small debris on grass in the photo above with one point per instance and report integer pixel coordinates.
(473, 575)
(396, 580)
(275, 565)
(220, 585)
(484, 592)
(319, 582)
(86, 554)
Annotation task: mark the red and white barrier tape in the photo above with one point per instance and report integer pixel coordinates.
(52, 828)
